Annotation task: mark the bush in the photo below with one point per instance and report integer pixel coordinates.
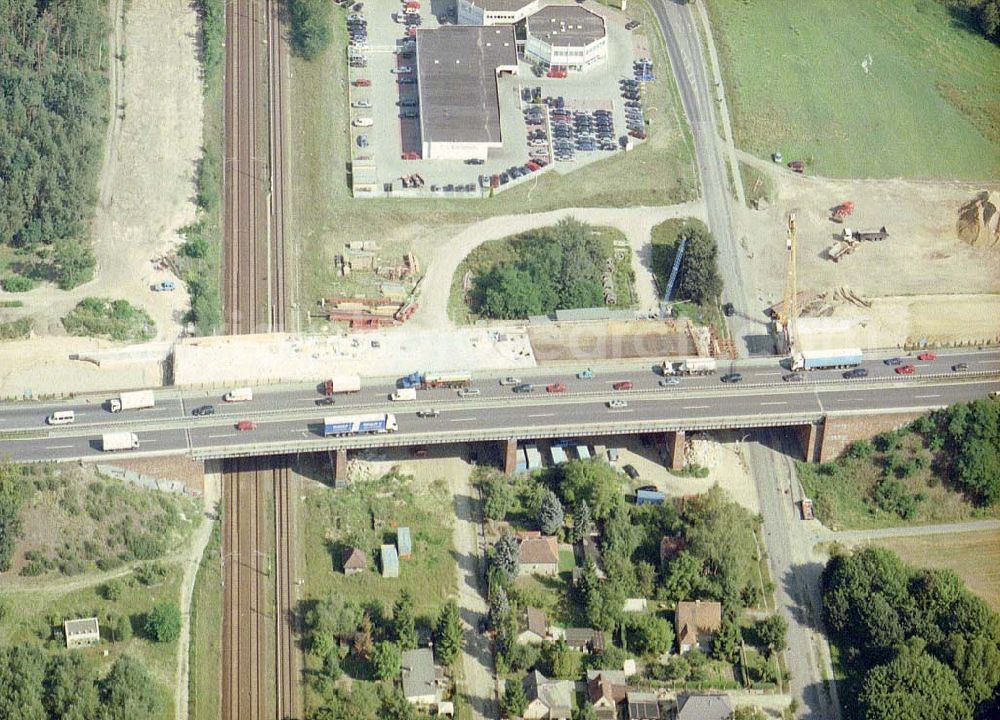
(17, 283)
(112, 590)
(164, 622)
(311, 29)
(16, 329)
(114, 319)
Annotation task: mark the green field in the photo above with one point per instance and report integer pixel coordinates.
(324, 215)
(205, 653)
(869, 88)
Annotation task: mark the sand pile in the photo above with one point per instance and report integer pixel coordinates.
(702, 451)
(979, 220)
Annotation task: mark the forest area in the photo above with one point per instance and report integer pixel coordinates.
(54, 58)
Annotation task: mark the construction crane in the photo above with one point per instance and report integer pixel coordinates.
(786, 318)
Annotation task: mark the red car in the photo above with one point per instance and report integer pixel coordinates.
(927, 356)
(555, 387)
(361, 82)
(905, 369)
(623, 385)
(244, 425)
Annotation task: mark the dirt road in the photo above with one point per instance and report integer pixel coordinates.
(477, 659)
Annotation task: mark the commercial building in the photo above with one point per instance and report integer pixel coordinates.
(457, 71)
(566, 36)
(494, 12)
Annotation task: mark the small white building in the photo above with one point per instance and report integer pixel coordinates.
(83, 632)
(495, 12)
(566, 36)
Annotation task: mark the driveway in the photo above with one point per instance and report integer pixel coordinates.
(479, 684)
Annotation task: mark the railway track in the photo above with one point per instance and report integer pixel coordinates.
(248, 617)
(288, 659)
(278, 291)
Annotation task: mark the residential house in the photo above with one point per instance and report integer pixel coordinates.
(82, 632)
(697, 622)
(403, 542)
(390, 561)
(584, 639)
(547, 699)
(538, 556)
(536, 628)
(605, 689)
(703, 707)
(355, 561)
(422, 679)
(642, 706)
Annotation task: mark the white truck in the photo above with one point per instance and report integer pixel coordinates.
(119, 441)
(691, 366)
(135, 400)
(404, 394)
(827, 359)
(244, 394)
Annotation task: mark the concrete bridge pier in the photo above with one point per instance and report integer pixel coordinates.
(509, 450)
(675, 449)
(811, 441)
(338, 458)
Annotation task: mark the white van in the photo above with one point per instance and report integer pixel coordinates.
(239, 395)
(61, 417)
(363, 122)
(404, 394)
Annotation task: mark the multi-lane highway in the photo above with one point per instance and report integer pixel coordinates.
(288, 418)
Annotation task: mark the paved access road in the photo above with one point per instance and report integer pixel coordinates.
(698, 99)
(291, 415)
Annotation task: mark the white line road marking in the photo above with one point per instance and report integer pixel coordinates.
(774, 373)
(543, 415)
(920, 397)
(57, 447)
(696, 407)
(848, 399)
(988, 362)
(461, 419)
(222, 435)
(774, 403)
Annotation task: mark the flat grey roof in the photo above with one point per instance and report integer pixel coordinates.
(566, 26)
(500, 5)
(456, 76)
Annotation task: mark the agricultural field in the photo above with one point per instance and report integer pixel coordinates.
(973, 556)
(878, 88)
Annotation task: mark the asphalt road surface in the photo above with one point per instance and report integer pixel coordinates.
(290, 414)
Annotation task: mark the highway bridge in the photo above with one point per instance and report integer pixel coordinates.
(289, 420)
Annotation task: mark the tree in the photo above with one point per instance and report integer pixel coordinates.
(22, 670)
(507, 292)
(499, 606)
(514, 700)
(748, 712)
(387, 661)
(128, 691)
(720, 533)
(913, 685)
(604, 604)
(74, 262)
(585, 711)
(70, 692)
(327, 620)
(682, 577)
(164, 622)
(561, 659)
(506, 556)
(12, 497)
(726, 643)
(363, 644)
(498, 497)
(649, 634)
(597, 483)
(583, 524)
(404, 623)
(976, 662)
(448, 633)
(550, 514)
(311, 31)
(699, 279)
(112, 590)
(395, 706)
(771, 632)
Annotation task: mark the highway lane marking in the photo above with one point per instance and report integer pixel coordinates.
(774, 403)
(211, 437)
(57, 447)
(770, 373)
(461, 419)
(696, 407)
(988, 362)
(542, 415)
(920, 397)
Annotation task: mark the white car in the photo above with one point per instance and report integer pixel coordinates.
(669, 381)
(361, 103)
(362, 122)
(617, 404)
(509, 381)
(402, 70)
(468, 392)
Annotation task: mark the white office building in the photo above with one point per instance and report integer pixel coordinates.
(566, 36)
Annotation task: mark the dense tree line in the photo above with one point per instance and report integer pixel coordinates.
(53, 58)
(917, 642)
(311, 28)
(553, 268)
(983, 15)
(37, 686)
(14, 490)
(970, 433)
(698, 279)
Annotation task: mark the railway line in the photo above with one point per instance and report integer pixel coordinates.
(278, 290)
(288, 659)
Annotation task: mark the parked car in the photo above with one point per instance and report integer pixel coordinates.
(203, 410)
(905, 369)
(927, 356)
(555, 388)
(362, 82)
(732, 378)
(361, 103)
(587, 374)
(728, 309)
(856, 373)
(631, 472)
(362, 141)
(165, 286)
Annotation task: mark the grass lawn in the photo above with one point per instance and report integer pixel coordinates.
(871, 88)
(974, 556)
(32, 616)
(324, 215)
(756, 184)
(842, 492)
(205, 655)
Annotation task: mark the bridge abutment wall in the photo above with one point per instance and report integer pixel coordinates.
(840, 431)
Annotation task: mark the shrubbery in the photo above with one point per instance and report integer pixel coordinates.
(114, 319)
(311, 28)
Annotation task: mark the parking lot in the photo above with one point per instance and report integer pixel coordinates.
(383, 90)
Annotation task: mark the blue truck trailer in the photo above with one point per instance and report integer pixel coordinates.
(375, 423)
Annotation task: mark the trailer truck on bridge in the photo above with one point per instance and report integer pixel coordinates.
(370, 424)
(342, 384)
(826, 359)
(119, 441)
(424, 381)
(135, 400)
(691, 366)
